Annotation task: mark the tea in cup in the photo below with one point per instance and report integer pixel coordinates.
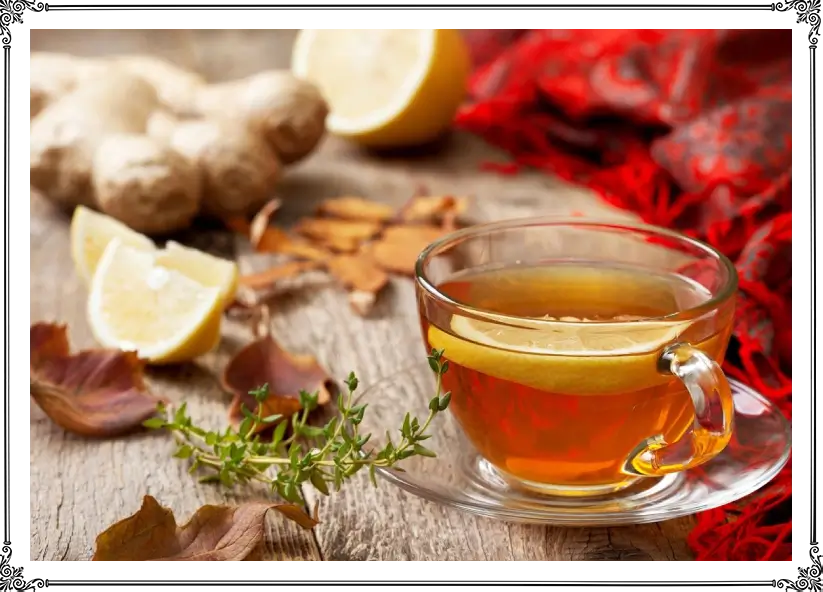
(582, 356)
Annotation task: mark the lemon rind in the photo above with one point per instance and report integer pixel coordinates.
(462, 327)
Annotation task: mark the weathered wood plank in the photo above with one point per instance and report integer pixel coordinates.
(80, 487)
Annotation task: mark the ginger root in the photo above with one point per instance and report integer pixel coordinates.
(238, 169)
(145, 184)
(67, 133)
(289, 113)
(154, 145)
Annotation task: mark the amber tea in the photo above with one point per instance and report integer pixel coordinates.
(557, 379)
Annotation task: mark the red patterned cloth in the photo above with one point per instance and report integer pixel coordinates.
(691, 130)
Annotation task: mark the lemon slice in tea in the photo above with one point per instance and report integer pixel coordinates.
(571, 356)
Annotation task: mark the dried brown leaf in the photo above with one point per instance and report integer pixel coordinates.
(397, 250)
(214, 533)
(356, 208)
(263, 361)
(361, 276)
(344, 236)
(98, 392)
(268, 278)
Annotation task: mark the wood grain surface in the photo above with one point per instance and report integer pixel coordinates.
(79, 487)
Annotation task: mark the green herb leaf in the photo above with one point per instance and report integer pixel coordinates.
(311, 431)
(261, 393)
(155, 423)
(328, 429)
(184, 451)
(352, 382)
(291, 493)
(245, 426)
(372, 476)
(246, 412)
(423, 451)
(180, 414)
(444, 401)
(319, 483)
(279, 432)
(308, 401)
(344, 449)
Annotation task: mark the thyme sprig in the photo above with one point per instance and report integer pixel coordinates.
(324, 457)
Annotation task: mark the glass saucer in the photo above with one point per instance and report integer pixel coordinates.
(460, 478)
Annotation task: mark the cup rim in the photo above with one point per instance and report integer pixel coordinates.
(728, 289)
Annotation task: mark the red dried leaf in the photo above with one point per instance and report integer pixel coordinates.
(263, 361)
(214, 533)
(97, 392)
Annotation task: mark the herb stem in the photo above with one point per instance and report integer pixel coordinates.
(238, 455)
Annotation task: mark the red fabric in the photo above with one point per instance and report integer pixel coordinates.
(691, 130)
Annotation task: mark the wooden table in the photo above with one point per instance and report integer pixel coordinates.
(79, 487)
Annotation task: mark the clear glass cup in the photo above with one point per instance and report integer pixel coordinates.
(584, 355)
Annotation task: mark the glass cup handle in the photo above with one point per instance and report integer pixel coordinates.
(713, 415)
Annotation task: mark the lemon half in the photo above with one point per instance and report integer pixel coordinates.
(385, 87)
(561, 357)
(136, 305)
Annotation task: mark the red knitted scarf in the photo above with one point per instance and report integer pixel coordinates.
(691, 130)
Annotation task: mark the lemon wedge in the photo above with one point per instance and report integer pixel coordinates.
(569, 357)
(201, 267)
(92, 231)
(136, 305)
(385, 87)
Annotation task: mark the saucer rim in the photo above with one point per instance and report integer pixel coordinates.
(534, 516)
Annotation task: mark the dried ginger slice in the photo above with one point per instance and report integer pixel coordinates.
(362, 277)
(356, 208)
(397, 250)
(341, 235)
